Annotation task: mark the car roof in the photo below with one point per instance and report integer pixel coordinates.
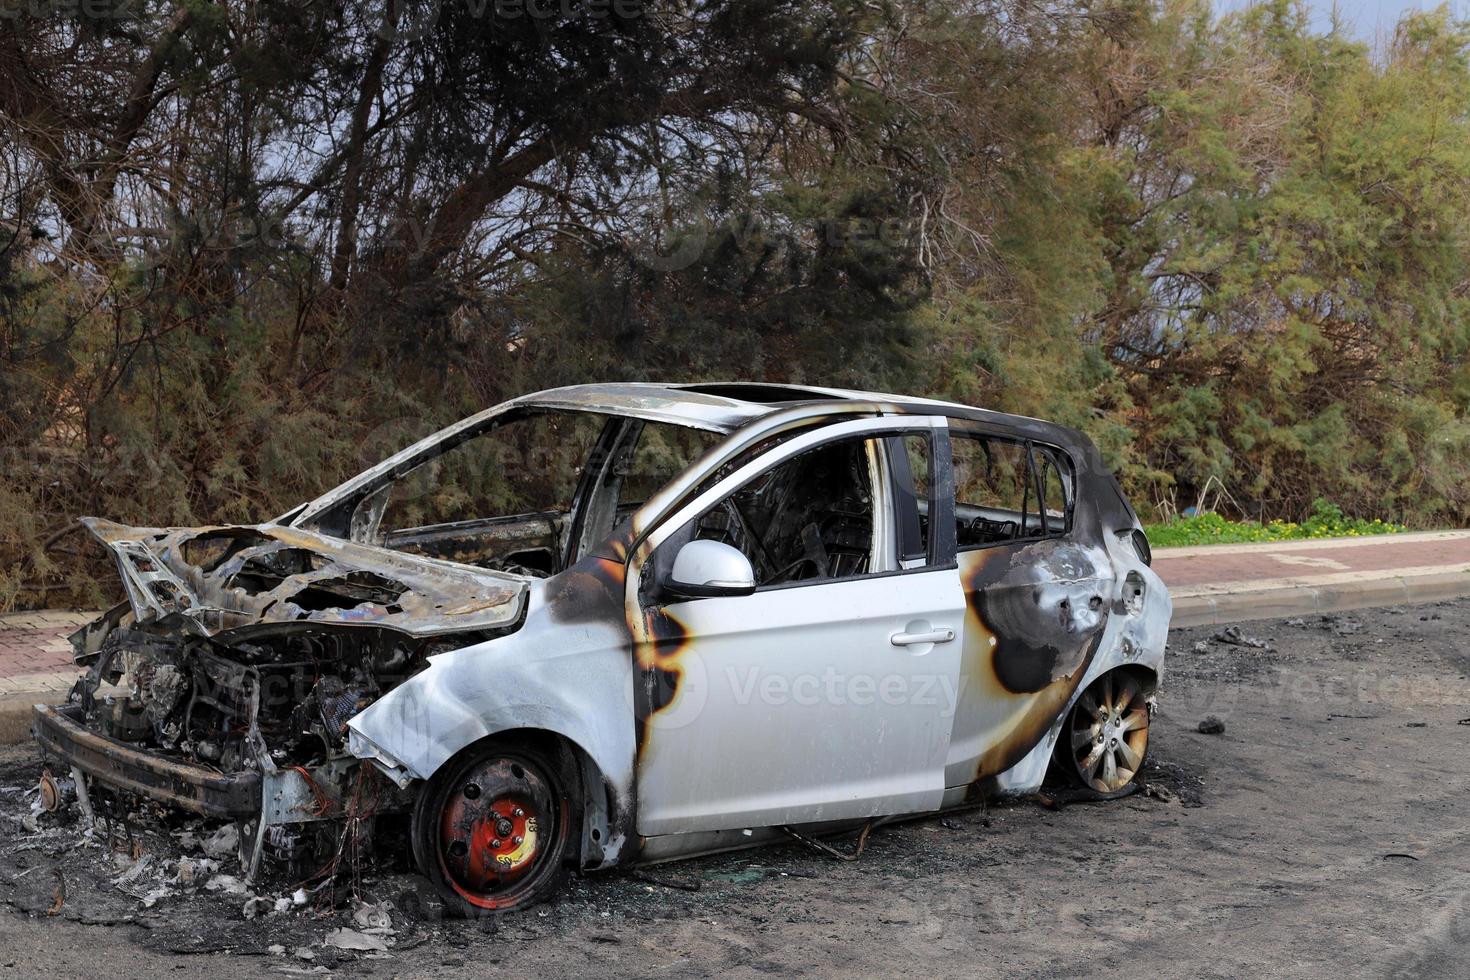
(720, 406)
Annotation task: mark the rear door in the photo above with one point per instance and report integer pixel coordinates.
(1035, 600)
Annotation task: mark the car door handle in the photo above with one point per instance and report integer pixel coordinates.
(941, 635)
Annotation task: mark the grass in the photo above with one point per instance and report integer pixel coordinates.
(1326, 521)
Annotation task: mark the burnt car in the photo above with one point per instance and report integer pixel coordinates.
(614, 624)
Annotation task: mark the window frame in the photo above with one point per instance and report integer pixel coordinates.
(967, 429)
(874, 431)
(940, 547)
(1068, 479)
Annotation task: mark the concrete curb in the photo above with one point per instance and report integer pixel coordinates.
(1218, 608)
(15, 718)
(18, 694)
(1307, 544)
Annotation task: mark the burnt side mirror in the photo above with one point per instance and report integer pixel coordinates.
(709, 568)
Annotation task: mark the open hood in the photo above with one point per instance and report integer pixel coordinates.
(224, 578)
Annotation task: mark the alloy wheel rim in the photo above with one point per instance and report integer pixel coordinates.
(1109, 733)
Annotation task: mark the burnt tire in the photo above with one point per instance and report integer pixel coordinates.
(491, 829)
(1103, 745)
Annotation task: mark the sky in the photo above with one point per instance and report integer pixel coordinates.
(1367, 19)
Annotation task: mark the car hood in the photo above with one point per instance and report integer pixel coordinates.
(225, 578)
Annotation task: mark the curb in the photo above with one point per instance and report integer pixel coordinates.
(15, 717)
(29, 690)
(1307, 544)
(1219, 608)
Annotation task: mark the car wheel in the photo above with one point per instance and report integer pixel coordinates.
(491, 829)
(1105, 739)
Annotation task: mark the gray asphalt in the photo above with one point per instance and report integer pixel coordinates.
(1323, 833)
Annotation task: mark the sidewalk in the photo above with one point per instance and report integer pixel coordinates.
(1225, 583)
(1210, 584)
(35, 664)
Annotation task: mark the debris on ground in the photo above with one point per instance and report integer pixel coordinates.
(224, 842)
(1212, 725)
(228, 884)
(1233, 636)
(59, 899)
(370, 917)
(351, 939)
(1200, 646)
(1161, 793)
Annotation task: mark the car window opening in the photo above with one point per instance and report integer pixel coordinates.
(1007, 490)
(809, 518)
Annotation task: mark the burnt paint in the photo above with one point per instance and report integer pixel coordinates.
(1042, 607)
(214, 597)
(1035, 620)
(593, 591)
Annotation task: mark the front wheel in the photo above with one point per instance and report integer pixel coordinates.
(491, 829)
(1105, 739)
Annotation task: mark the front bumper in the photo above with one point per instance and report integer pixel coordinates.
(199, 789)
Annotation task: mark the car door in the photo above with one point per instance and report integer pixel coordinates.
(828, 692)
(1037, 602)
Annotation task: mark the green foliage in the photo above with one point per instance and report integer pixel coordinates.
(1326, 520)
(1244, 268)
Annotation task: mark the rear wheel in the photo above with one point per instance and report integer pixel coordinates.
(1105, 740)
(490, 829)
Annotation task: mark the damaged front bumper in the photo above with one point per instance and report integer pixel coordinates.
(223, 687)
(67, 743)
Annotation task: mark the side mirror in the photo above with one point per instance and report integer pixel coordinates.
(709, 568)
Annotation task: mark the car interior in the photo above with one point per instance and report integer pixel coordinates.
(998, 493)
(530, 495)
(809, 518)
(509, 499)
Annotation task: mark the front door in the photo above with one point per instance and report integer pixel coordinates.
(829, 692)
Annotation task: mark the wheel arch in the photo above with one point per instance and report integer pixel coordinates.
(1147, 677)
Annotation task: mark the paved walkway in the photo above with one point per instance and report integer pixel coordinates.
(1211, 583)
(34, 653)
(1227, 582)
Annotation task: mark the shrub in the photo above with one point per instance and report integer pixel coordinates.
(1325, 521)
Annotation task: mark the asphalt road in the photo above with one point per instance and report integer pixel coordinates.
(1322, 834)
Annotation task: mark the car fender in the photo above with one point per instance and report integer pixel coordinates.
(1136, 635)
(573, 680)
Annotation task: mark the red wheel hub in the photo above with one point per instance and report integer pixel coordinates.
(493, 828)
